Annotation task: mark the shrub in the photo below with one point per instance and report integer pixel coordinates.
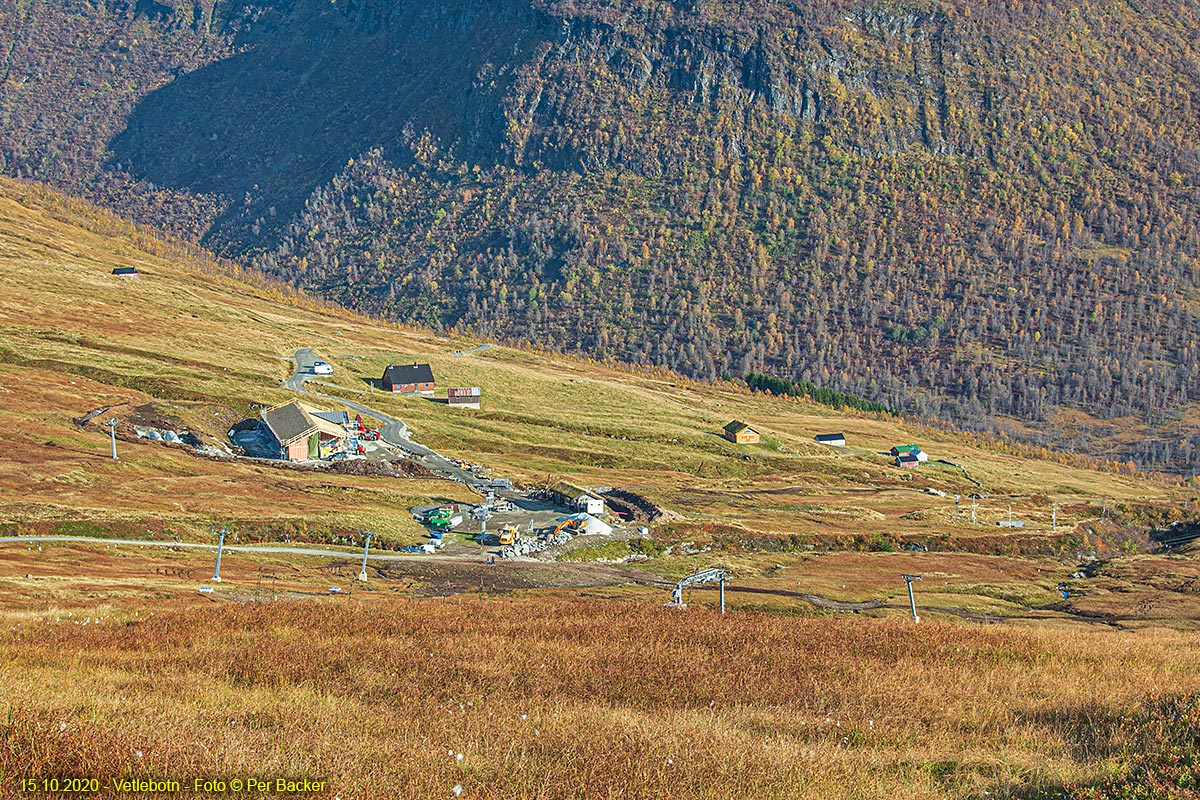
(1162, 756)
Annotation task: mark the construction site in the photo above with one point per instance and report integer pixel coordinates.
(538, 524)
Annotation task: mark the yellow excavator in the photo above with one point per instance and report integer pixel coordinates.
(508, 534)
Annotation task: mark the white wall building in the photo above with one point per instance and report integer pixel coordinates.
(589, 505)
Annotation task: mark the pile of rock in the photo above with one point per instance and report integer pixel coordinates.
(526, 547)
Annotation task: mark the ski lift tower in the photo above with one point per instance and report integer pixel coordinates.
(711, 575)
(912, 602)
(362, 575)
(112, 433)
(220, 533)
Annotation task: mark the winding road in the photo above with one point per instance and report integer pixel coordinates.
(476, 349)
(393, 431)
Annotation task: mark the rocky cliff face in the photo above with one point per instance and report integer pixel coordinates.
(970, 209)
(267, 101)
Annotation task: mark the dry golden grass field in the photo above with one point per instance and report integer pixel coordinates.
(553, 679)
(554, 695)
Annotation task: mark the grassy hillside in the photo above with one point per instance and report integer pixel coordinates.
(979, 211)
(551, 680)
(199, 346)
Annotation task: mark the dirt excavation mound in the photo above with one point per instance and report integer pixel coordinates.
(130, 417)
(399, 468)
(135, 420)
(633, 507)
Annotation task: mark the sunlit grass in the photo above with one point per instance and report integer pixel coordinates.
(558, 697)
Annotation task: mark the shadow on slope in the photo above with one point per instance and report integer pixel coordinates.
(316, 85)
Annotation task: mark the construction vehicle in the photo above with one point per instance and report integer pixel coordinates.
(443, 523)
(442, 518)
(572, 525)
(508, 534)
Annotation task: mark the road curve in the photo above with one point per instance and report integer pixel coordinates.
(476, 349)
(305, 359)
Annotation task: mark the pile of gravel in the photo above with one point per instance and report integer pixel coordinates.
(525, 547)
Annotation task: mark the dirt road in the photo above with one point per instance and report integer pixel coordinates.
(430, 576)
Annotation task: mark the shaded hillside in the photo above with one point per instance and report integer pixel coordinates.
(71, 73)
(973, 210)
(311, 91)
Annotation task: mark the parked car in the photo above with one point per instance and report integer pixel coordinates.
(369, 435)
(321, 368)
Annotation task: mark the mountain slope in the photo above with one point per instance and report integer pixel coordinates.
(188, 341)
(969, 210)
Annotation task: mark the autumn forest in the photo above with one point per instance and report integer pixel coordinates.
(970, 211)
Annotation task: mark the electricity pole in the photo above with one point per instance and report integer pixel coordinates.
(220, 546)
(112, 432)
(912, 603)
(362, 575)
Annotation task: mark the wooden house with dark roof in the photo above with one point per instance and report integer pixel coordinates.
(409, 379)
(303, 433)
(739, 432)
(293, 431)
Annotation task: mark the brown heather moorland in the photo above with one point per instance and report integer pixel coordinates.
(555, 696)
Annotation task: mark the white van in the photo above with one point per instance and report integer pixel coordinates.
(321, 368)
